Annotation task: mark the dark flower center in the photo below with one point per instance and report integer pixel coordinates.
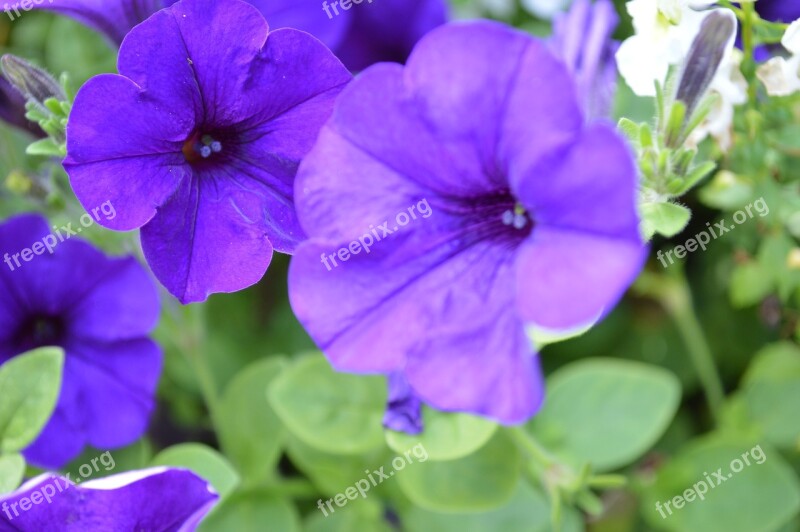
(495, 216)
(201, 147)
(40, 331)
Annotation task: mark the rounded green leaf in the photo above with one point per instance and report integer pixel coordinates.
(771, 393)
(529, 510)
(29, 387)
(666, 219)
(607, 412)
(332, 473)
(12, 470)
(481, 481)
(356, 516)
(204, 461)
(760, 497)
(335, 412)
(447, 436)
(250, 432)
(252, 511)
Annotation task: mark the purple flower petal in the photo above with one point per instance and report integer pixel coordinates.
(582, 39)
(168, 500)
(403, 408)
(111, 18)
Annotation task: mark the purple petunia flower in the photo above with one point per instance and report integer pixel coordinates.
(198, 140)
(582, 39)
(162, 499)
(100, 311)
(362, 34)
(530, 218)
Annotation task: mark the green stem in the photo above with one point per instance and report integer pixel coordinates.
(749, 65)
(674, 295)
(195, 352)
(531, 446)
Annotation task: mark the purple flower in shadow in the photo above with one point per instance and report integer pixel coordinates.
(786, 11)
(100, 311)
(198, 140)
(363, 34)
(162, 499)
(582, 39)
(532, 220)
(12, 109)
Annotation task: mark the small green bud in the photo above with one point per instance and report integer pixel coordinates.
(674, 127)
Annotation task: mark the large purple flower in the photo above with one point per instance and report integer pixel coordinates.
(360, 35)
(198, 140)
(582, 39)
(451, 203)
(100, 310)
(159, 499)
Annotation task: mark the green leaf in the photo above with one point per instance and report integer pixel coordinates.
(528, 510)
(356, 516)
(631, 130)
(250, 432)
(334, 412)
(771, 393)
(46, 147)
(727, 191)
(204, 461)
(29, 387)
(606, 411)
(760, 497)
(766, 32)
(12, 470)
(333, 473)
(252, 511)
(750, 284)
(447, 436)
(666, 219)
(481, 481)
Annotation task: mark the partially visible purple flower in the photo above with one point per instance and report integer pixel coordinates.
(786, 11)
(198, 140)
(403, 407)
(582, 39)
(12, 109)
(100, 311)
(112, 18)
(365, 33)
(158, 499)
(533, 220)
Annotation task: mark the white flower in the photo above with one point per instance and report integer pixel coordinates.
(664, 31)
(781, 76)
